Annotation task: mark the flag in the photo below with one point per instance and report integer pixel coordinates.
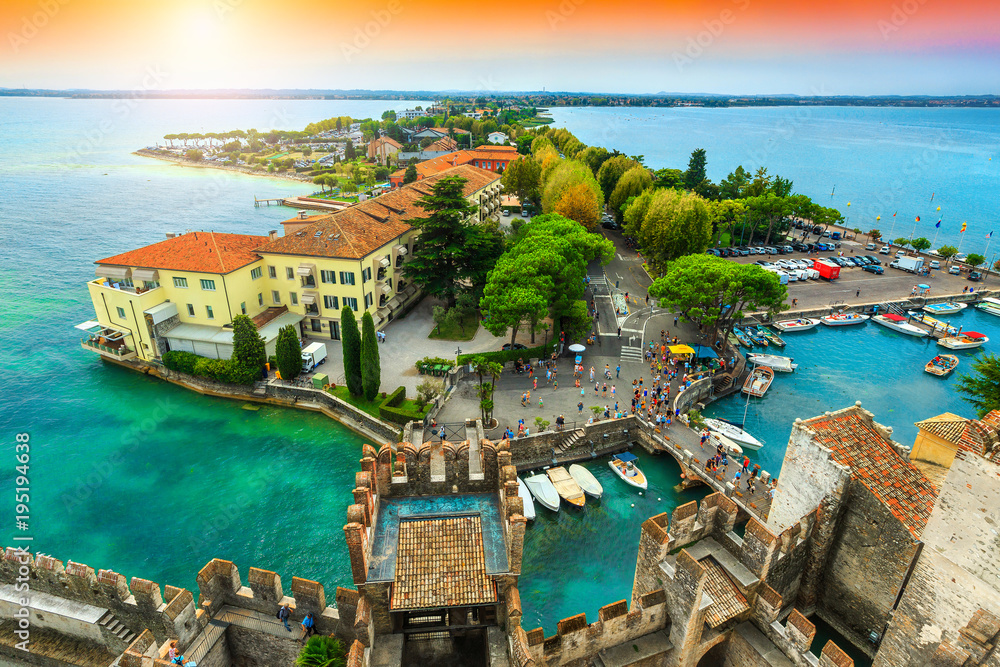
(937, 225)
(918, 218)
(989, 235)
(894, 214)
(964, 225)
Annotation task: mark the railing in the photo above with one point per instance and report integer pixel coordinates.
(120, 352)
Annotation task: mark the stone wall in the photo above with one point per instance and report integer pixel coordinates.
(250, 648)
(698, 392)
(536, 450)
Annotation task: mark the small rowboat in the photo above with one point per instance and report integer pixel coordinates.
(947, 308)
(566, 486)
(843, 319)
(586, 480)
(543, 491)
(743, 338)
(964, 341)
(624, 466)
(758, 381)
(525, 495)
(755, 337)
(801, 324)
(941, 365)
(772, 337)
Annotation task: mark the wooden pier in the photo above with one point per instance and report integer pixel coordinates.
(278, 201)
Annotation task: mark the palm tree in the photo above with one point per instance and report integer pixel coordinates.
(321, 651)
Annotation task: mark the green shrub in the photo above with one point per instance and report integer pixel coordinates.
(389, 409)
(183, 362)
(503, 356)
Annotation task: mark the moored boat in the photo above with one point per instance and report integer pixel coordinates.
(899, 323)
(774, 338)
(990, 306)
(801, 324)
(624, 466)
(756, 337)
(731, 447)
(529, 504)
(933, 323)
(783, 364)
(964, 341)
(758, 381)
(566, 486)
(843, 319)
(947, 308)
(586, 480)
(941, 365)
(734, 433)
(742, 337)
(543, 491)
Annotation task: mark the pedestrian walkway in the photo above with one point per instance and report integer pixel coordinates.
(632, 352)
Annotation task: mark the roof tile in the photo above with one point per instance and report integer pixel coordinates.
(205, 252)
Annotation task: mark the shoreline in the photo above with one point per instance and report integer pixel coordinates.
(184, 162)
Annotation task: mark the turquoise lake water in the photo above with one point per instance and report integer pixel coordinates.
(136, 475)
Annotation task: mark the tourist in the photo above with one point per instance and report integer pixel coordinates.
(675, 320)
(704, 437)
(524, 400)
(579, 406)
(725, 465)
(560, 422)
(534, 383)
(309, 625)
(746, 464)
(736, 479)
(555, 385)
(541, 404)
(604, 390)
(619, 333)
(283, 615)
(618, 370)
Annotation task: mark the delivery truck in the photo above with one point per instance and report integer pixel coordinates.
(827, 269)
(911, 264)
(312, 356)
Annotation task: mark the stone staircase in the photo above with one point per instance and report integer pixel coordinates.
(569, 440)
(116, 627)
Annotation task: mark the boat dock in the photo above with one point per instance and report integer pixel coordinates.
(933, 331)
(310, 203)
(257, 203)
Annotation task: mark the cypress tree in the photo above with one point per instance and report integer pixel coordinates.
(371, 370)
(351, 343)
(288, 352)
(249, 354)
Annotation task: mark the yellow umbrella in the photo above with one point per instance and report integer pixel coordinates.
(682, 349)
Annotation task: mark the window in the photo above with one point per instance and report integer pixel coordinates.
(256, 273)
(335, 330)
(208, 310)
(330, 302)
(276, 296)
(150, 284)
(294, 298)
(121, 312)
(181, 282)
(351, 302)
(328, 277)
(366, 275)
(260, 299)
(243, 307)
(290, 273)
(208, 285)
(346, 277)
(368, 299)
(191, 310)
(271, 273)
(316, 325)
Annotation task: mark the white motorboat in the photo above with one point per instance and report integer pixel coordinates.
(801, 324)
(566, 486)
(733, 432)
(964, 341)
(542, 489)
(586, 480)
(529, 504)
(990, 306)
(947, 308)
(758, 381)
(899, 323)
(843, 319)
(624, 466)
(731, 447)
(783, 364)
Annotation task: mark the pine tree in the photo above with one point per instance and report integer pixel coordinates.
(371, 371)
(410, 175)
(288, 352)
(249, 353)
(981, 388)
(351, 343)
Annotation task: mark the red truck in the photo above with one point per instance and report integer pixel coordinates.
(827, 269)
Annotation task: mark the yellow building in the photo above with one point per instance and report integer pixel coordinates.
(182, 293)
(940, 437)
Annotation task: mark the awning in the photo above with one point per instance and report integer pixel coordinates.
(970, 334)
(386, 288)
(394, 301)
(382, 313)
(626, 457)
(401, 250)
(89, 324)
(305, 269)
(308, 298)
(922, 286)
(681, 349)
(161, 312)
(384, 262)
(114, 272)
(145, 274)
(703, 352)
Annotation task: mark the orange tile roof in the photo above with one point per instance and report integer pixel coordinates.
(727, 601)
(443, 144)
(495, 153)
(357, 231)
(901, 487)
(948, 426)
(436, 165)
(205, 252)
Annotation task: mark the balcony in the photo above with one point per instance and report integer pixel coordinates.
(106, 341)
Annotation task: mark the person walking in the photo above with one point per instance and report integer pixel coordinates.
(858, 293)
(746, 463)
(579, 406)
(618, 370)
(283, 615)
(309, 626)
(619, 333)
(555, 385)
(675, 320)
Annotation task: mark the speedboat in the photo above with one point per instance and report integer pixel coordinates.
(899, 323)
(801, 324)
(529, 504)
(933, 323)
(734, 433)
(624, 466)
(758, 381)
(941, 365)
(947, 308)
(783, 364)
(964, 341)
(543, 491)
(566, 486)
(990, 306)
(586, 480)
(843, 319)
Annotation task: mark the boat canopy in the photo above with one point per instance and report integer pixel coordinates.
(626, 457)
(973, 334)
(894, 317)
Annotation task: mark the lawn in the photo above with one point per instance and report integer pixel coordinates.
(371, 407)
(455, 332)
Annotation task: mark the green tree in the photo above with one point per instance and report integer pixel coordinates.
(320, 181)
(307, 151)
(696, 171)
(974, 260)
(288, 352)
(672, 224)
(442, 259)
(486, 370)
(350, 342)
(193, 154)
(410, 175)
(249, 353)
(981, 388)
(567, 175)
(920, 244)
(874, 234)
(322, 650)
(902, 242)
(516, 293)
(523, 178)
(734, 186)
(632, 184)
(349, 153)
(611, 170)
(947, 251)
(371, 370)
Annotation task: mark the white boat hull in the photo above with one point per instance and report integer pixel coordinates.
(734, 433)
(529, 504)
(586, 480)
(989, 309)
(958, 343)
(783, 364)
(945, 308)
(901, 327)
(629, 480)
(843, 321)
(543, 491)
(788, 326)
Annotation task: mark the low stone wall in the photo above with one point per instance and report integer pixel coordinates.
(608, 435)
(908, 303)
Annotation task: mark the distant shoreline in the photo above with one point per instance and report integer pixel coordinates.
(184, 162)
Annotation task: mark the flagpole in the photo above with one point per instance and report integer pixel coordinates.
(938, 228)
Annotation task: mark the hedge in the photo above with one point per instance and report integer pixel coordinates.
(503, 356)
(387, 409)
(220, 370)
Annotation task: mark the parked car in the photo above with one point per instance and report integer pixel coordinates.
(870, 246)
(826, 233)
(871, 268)
(857, 261)
(766, 264)
(935, 264)
(610, 224)
(873, 259)
(954, 270)
(787, 249)
(975, 276)
(712, 251)
(506, 213)
(900, 253)
(517, 346)
(800, 247)
(744, 251)
(884, 250)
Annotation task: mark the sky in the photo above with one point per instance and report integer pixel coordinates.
(825, 47)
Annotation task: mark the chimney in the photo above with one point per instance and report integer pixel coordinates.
(272, 235)
(302, 215)
(171, 235)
